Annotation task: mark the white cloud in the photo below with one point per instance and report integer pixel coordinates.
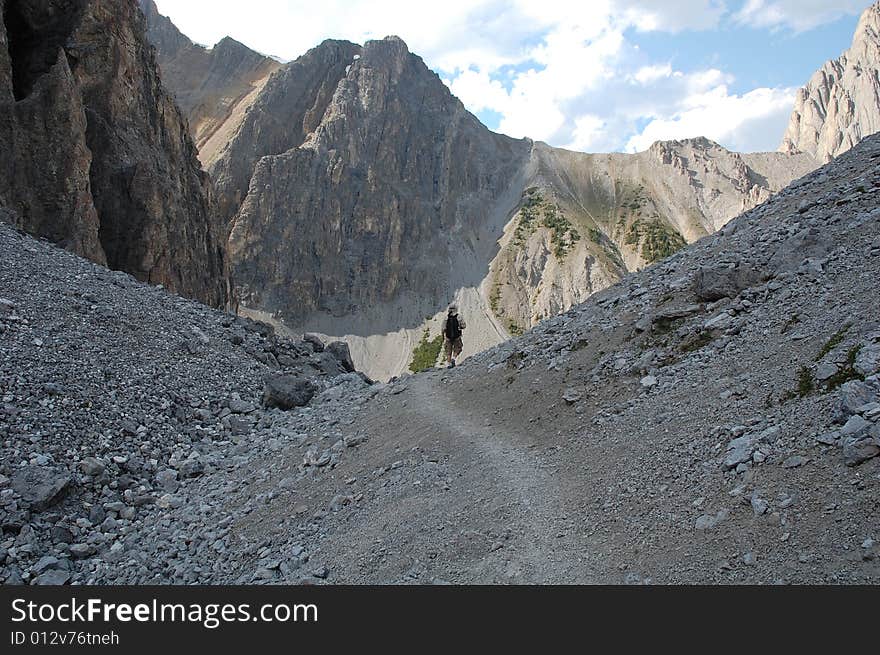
(797, 15)
(739, 122)
(478, 92)
(653, 73)
(589, 131)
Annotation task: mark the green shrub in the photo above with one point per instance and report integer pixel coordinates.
(847, 372)
(659, 240)
(495, 298)
(427, 351)
(536, 212)
(805, 382)
(833, 342)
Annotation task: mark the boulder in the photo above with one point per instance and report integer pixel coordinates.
(53, 578)
(287, 391)
(39, 486)
(859, 449)
(809, 243)
(739, 451)
(191, 468)
(91, 466)
(326, 363)
(868, 360)
(851, 396)
(315, 341)
(340, 350)
(717, 281)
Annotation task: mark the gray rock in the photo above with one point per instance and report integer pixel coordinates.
(353, 440)
(739, 451)
(91, 466)
(825, 371)
(200, 337)
(707, 521)
(850, 397)
(167, 479)
(340, 350)
(40, 487)
(48, 562)
(794, 461)
(722, 321)
(82, 550)
(868, 359)
(759, 505)
(571, 396)
(241, 406)
(97, 514)
(13, 577)
(859, 449)
(238, 425)
(315, 341)
(287, 391)
(829, 438)
(717, 281)
(324, 362)
(339, 501)
(855, 426)
(55, 577)
(313, 458)
(53, 389)
(648, 381)
(191, 468)
(171, 501)
(60, 534)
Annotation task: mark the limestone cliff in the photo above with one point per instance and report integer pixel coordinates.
(214, 87)
(96, 155)
(283, 114)
(391, 195)
(584, 220)
(840, 105)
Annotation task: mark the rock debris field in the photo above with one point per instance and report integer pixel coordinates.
(714, 418)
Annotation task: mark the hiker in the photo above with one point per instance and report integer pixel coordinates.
(452, 329)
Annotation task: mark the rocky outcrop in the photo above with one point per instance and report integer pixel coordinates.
(287, 110)
(585, 220)
(386, 196)
(840, 105)
(100, 159)
(214, 87)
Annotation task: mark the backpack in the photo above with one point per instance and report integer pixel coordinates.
(452, 330)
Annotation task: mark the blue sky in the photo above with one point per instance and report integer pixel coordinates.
(594, 75)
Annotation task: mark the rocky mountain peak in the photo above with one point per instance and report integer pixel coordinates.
(840, 105)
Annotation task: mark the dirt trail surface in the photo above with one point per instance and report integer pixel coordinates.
(714, 418)
(446, 490)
